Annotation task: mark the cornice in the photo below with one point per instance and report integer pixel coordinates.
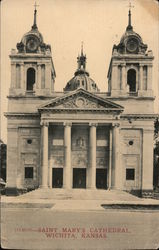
(79, 110)
(21, 115)
(104, 95)
(139, 116)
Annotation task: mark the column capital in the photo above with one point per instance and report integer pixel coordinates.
(123, 64)
(69, 124)
(93, 124)
(150, 65)
(117, 125)
(44, 123)
(13, 63)
(141, 64)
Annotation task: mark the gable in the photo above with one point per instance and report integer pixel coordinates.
(81, 100)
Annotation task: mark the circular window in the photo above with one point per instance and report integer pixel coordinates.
(29, 141)
(131, 143)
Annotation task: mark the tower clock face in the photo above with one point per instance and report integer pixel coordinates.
(32, 44)
(132, 45)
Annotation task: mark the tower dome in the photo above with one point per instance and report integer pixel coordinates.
(32, 41)
(131, 42)
(81, 77)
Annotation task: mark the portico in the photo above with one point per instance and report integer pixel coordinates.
(87, 171)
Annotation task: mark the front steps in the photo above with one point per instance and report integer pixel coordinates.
(79, 194)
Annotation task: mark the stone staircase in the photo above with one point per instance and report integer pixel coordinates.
(79, 194)
(155, 194)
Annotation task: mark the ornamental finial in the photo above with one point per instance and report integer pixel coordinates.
(129, 27)
(35, 13)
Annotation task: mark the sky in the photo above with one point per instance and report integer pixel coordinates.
(64, 24)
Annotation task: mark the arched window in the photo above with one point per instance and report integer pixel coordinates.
(30, 78)
(131, 80)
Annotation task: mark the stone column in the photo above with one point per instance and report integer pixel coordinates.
(67, 175)
(48, 76)
(116, 181)
(123, 84)
(114, 77)
(141, 77)
(22, 76)
(149, 80)
(92, 156)
(38, 82)
(110, 160)
(13, 75)
(44, 170)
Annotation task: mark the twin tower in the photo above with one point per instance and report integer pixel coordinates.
(129, 74)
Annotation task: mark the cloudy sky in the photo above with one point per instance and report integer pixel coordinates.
(64, 24)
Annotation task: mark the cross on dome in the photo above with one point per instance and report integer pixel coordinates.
(35, 11)
(129, 27)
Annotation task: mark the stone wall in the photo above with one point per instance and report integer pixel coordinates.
(131, 152)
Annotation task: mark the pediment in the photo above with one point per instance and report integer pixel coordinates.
(81, 100)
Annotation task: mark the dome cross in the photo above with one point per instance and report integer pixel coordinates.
(129, 27)
(35, 13)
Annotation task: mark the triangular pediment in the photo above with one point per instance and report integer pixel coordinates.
(81, 100)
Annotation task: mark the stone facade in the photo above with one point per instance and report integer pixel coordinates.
(80, 138)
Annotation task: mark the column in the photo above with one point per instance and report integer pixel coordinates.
(48, 75)
(110, 160)
(67, 175)
(92, 156)
(123, 84)
(141, 77)
(116, 181)
(149, 80)
(114, 77)
(13, 75)
(38, 81)
(22, 75)
(44, 170)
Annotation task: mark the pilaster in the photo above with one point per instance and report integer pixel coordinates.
(123, 84)
(13, 75)
(38, 82)
(141, 77)
(149, 80)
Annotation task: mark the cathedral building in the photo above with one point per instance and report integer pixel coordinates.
(80, 138)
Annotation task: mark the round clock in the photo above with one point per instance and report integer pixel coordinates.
(32, 44)
(132, 45)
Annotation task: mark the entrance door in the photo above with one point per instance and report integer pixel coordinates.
(101, 178)
(79, 178)
(57, 177)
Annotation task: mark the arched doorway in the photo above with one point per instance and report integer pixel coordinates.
(30, 78)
